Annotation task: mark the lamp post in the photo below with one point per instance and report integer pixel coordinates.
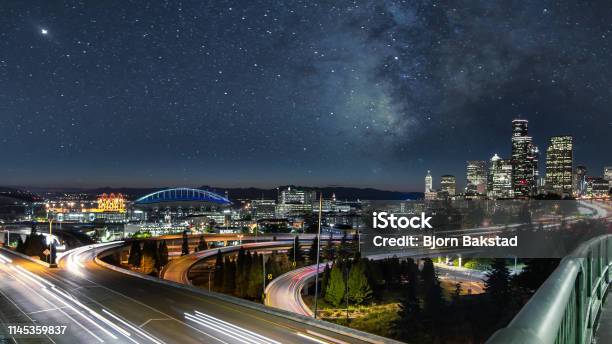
(50, 239)
(314, 314)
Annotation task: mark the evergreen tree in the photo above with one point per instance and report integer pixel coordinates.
(255, 282)
(358, 286)
(497, 283)
(273, 267)
(336, 287)
(35, 244)
(163, 254)
(344, 248)
(229, 276)
(239, 279)
(325, 280)
(202, 245)
(433, 302)
(185, 246)
(20, 245)
(295, 253)
(408, 325)
(535, 272)
(148, 260)
(135, 254)
(312, 254)
(329, 252)
(248, 265)
(219, 268)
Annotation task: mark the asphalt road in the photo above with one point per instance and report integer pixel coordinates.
(101, 305)
(177, 270)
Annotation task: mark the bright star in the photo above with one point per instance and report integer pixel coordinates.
(44, 31)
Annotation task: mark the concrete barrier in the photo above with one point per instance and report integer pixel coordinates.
(343, 330)
(33, 260)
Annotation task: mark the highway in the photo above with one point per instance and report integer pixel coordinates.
(101, 305)
(285, 292)
(177, 270)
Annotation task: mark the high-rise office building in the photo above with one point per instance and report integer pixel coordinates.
(579, 182)
(524, 160)
(559, 160)
(608, 174)
(597, 187)
(476, 177)
(428, 182)
(448, 184)
(500, 178)
(263, 208)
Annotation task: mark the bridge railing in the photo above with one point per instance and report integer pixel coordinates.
(566, 307)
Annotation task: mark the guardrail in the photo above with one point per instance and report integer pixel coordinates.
(566, 308)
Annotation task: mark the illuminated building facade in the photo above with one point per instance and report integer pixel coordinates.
(524, 160)
(476, 177)
(448, 185)
(597, 187)
(263, 209)
(579, 182)
(111, 202)
(500, 178)
(428, 182)
(559, 161)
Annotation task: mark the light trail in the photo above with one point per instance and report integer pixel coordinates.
(230, 330)
(134, 328)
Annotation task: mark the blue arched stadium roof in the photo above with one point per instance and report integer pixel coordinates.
(182, 195)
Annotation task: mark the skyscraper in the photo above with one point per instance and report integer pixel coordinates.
(448, 184)
(559, 160)
(579, 183)
(500, 178)
(524, 160)
(428, 182)
(476, 177)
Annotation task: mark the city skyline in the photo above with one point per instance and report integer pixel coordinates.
(262, 94)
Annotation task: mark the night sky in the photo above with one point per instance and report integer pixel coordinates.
(264, 93)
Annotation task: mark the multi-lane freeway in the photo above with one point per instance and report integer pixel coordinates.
(101, 305)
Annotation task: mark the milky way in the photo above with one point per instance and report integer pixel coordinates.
(260, 93)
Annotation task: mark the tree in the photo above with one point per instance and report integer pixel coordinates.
(329, 252)
(202, 245)
(535, 272)
(254, 290)
(344, 250)
(312, 254)
(325, 280)
(218, 278)
(229, 276)
(433, 302)
(408, 325)
(185, 246)
(20, 246)
(149, 257)
(239, 278)
(336, 287)
(245, 274)
(295, 253)
(163, 254)
(358, 286)
(497, 283)
(135, 254)
(273, 267)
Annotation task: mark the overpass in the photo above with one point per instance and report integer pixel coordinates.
(177, 270)
(106, 303)
(570, 306)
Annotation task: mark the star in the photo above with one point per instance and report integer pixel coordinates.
(44, 31)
